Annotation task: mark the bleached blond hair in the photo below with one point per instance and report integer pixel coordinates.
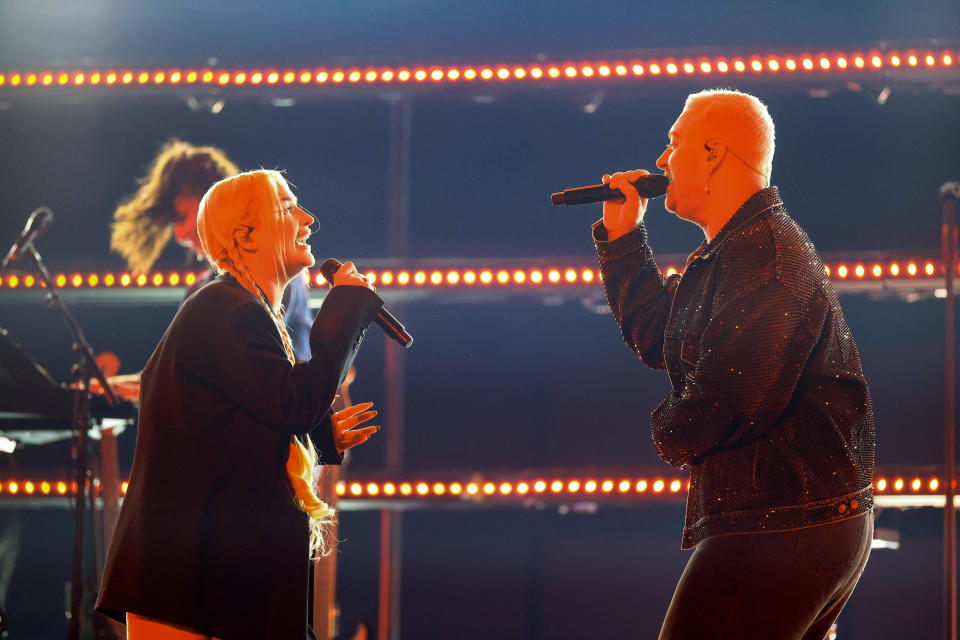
(742, 121)
(251, 201)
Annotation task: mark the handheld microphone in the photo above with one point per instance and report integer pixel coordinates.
(652, 185)
(384, 319)
(37, 223)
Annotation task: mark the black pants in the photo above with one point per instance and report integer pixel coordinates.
(785, 585)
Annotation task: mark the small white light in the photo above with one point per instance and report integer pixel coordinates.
(7, 445)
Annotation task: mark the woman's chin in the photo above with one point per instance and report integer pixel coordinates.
(303, 260)
(305, 257)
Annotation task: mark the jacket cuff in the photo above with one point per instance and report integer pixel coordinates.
(322, 437)
(633, 241)
(341, 324)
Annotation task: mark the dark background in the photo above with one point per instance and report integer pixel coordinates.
(510, 385)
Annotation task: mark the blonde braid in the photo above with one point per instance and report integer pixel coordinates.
(243, 276)
(303, 456)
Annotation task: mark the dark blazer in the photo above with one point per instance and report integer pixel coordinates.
(296, 310)
(209, 536)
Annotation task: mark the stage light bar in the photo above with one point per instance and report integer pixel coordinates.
(423, 488)
(694, 64)
(102, 280)
(480, 277)
(896, 490)
(904, 270)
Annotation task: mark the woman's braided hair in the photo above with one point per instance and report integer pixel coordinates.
(258, 192)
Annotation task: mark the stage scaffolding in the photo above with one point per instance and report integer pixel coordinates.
(877, 69)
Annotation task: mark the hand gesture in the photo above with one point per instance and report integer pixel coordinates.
(347, 274)
(344, 434)
(623, 215)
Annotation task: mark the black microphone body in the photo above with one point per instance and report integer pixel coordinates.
(384, 319)
(37, 223)
(652, 185)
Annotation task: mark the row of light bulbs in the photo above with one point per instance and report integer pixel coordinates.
(483, 488)
(668, 67)
(457, 277)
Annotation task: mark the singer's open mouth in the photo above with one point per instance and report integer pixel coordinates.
(302, 239)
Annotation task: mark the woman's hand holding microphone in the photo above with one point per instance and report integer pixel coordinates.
(348, 275)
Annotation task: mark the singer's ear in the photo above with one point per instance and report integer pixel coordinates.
(242, 237)
(716, 149)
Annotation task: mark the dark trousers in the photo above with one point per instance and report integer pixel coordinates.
(785, 585)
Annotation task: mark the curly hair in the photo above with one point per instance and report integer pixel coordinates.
(142, 224)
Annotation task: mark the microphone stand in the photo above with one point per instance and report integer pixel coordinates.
(948, 196)
(84, 371)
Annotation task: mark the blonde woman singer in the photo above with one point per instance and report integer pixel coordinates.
(221, 514)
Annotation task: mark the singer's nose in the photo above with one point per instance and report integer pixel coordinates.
(306, 218)
(662, 160)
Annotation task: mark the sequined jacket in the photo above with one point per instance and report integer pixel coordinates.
(769, 406)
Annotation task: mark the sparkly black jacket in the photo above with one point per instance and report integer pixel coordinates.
(769, 405)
